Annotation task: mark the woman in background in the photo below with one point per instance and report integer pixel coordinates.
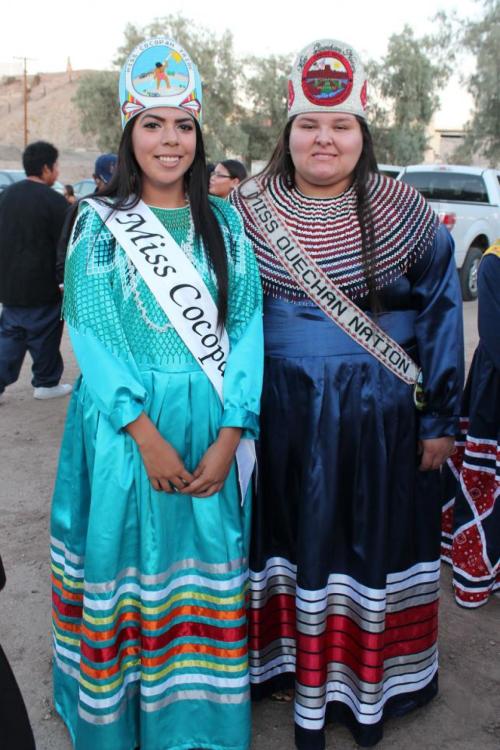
(69, 194)
(226, 176)
(471, 513)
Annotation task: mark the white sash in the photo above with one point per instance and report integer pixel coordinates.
(324, 293)
(183, 296)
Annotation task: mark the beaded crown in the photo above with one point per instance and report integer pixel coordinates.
(327, 76)
(159, 73)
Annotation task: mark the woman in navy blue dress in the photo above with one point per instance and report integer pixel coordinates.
(346, 528)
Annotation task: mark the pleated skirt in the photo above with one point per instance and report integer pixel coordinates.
(149, 608)
(346, 532)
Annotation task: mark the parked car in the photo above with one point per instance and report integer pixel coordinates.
(467, 201)
(83, 188)
(9, 176)
(390, 170)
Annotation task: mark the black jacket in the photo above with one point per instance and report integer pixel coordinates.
(31, 218)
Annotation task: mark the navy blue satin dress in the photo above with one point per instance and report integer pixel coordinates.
(346, 529)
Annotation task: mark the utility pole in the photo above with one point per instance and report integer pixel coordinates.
(25, 96)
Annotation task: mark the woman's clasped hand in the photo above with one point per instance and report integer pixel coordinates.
(166, 470)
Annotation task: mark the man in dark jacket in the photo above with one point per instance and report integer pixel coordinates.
(31, 218)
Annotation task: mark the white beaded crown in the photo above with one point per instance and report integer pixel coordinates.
(327, 76)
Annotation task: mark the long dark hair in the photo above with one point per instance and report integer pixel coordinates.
(127, 180)
(281, 165)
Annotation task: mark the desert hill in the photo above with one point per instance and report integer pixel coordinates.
(52, 116)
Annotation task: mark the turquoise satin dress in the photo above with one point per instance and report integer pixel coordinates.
(149, 610)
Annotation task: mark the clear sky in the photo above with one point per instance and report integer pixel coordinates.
(89, 32)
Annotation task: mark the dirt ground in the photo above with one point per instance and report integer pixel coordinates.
(465, 715)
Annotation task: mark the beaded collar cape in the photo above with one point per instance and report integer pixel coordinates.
(320, 288)
(328, 229)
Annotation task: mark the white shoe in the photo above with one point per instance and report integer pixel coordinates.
(56, 391)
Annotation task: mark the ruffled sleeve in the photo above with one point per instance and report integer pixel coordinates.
(436, 296)
(90, 310)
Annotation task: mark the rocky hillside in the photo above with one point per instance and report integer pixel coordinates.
(52, 116)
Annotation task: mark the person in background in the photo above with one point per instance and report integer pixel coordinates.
(103, 172)
(471, 479)
(69, 194)
(210, 169)
(226, 176)
(360, 288)
(15, 729)
(31, 219)
(105, 165)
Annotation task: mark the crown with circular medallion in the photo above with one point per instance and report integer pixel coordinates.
(159, 73)
(327, 76)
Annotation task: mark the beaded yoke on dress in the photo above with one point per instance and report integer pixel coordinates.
(328, 229)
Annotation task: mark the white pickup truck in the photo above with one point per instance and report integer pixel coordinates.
(467, 201)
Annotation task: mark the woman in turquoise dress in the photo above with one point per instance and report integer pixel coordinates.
(149, 531)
